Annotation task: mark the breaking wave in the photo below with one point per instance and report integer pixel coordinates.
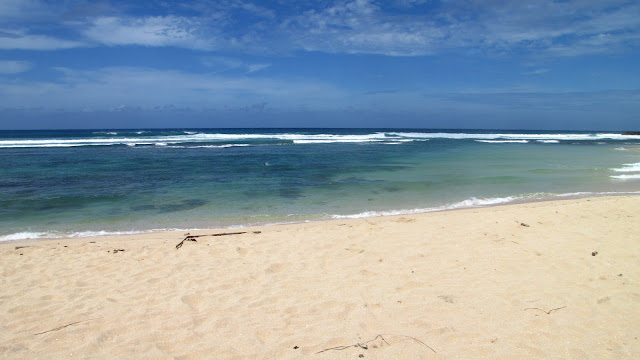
(111, 138)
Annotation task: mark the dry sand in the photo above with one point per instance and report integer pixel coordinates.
(517, 281)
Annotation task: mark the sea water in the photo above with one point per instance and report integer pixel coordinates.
(93, 182)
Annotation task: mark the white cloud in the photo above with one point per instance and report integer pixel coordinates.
(537, 72)
(251, 68)
(361, 27)
(224, 64)
(544, 27)
(149, 31)
(23, 9)
(257, 10)
(541, 27)
(19, 40)
(596, 44)
(13, 67)
(398, 28)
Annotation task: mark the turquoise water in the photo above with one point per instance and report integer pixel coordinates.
(82, 183)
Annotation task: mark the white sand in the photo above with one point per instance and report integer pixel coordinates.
(462, 284)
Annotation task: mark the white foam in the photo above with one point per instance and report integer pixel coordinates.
(503, 141)
(214, 146)
(505, 136)
(25, 236)
(191, 137)
(601, 193)
(106, 132)
(83, 234)
(626, 177)
(476, 202)
(28, 235)
(468, 203)
(290, 137)
(330, 141)
(629, 168)
(576, 194)
(548, 141)
(482, 202)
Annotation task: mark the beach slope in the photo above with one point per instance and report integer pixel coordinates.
(553, 280)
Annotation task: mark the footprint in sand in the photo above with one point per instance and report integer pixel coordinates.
(446, 298)
(194, 301)
(275, 268)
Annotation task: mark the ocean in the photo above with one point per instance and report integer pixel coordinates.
(95, 182)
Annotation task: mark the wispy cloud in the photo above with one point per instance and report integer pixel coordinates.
(361, 27)
(399, 28)
(558, 28)
(19, 10)
(148, 31)
(548, 27)
(13, 66)
(596, 44)
(20, 40)
(223, 64)
(536, 72)
(597, 102)
(109, 88)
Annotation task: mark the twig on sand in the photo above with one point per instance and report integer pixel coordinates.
(193, 237)
(365, 346)
(64, 326)
(545, 311)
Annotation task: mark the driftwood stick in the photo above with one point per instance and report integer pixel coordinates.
(193, 237)
(414, 339)
(64, 326)
(365, 346)
(545, 311)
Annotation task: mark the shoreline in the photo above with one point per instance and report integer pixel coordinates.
(554, 279)
(462, 205)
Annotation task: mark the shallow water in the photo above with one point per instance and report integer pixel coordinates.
(61, 183)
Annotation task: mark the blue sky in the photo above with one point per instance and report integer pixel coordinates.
(570, 64)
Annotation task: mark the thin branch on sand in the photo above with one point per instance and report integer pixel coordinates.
(365, 345)
(193, 237)
(545, 311)
(25, 246)
(64, 326)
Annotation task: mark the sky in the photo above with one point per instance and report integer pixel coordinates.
(481, 64)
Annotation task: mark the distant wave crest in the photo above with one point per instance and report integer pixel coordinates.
(190, 138)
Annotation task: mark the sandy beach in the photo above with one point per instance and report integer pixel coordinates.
(552, 280)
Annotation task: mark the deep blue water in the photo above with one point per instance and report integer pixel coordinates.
(84, 182)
